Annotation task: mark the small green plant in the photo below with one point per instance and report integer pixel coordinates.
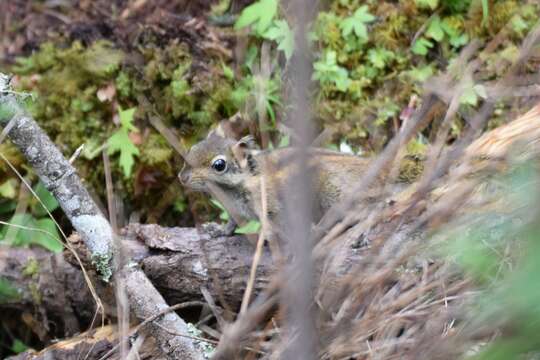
(471, 93)
(120, 141)
(7, 291)
(281, 33)
(259, 14)
(327, 71)
(223, 213)
(421, 46)
(251, 227)
(380, 57)
(18, 346)
(207, 348)
(438, 31)
(357, 23)
(34, 227)
(427, 4)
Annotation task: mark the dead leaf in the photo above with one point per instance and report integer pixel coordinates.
(106, 93)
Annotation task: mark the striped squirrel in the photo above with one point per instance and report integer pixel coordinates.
(236, 167)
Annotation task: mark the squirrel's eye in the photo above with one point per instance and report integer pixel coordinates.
(219, 164)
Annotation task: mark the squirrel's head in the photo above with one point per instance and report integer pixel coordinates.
(216, 160)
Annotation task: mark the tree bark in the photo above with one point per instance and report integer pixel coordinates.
(178, 261)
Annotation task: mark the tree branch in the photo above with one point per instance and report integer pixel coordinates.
(60, 178)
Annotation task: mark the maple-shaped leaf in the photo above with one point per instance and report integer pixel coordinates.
(379, 57)
(357, 23)
(421, 46)
(281, 33)
(261, 13)
(126, 119)
(435, 29)
(120, 142)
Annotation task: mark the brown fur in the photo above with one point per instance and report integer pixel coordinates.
(334, 173)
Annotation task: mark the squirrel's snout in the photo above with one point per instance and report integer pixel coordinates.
(184, 176)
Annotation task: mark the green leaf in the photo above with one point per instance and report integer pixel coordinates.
(284, 141)
(120, 142)
(227, 71)
(459, 41)
(327, 71)
(271, 112)
(126, 119)
(7, 291)
(435, 30)
(252, 227)
(379, 57)
(421, 46)
(456, 38)
(485, 12)
(8, 190)
(281, 33)
(20, 237)
(260, 13)
(18, 346)
(519, 26)
(51, 242)
(332, 147)
(469, 97)
(357, 23)
(46, 198)
(7, 206)
(48, 237)
(427, 4)
(420, 74)
(224, 214)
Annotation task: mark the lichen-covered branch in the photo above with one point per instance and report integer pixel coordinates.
(60, 178)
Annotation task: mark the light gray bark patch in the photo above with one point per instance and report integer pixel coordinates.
(95, 228)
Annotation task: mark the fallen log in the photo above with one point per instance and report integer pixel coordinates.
(178, 261)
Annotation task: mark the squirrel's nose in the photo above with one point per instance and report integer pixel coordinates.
(184, 176)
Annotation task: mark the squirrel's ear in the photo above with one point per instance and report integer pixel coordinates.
(247, 142)
(243, 149)
(217, 132)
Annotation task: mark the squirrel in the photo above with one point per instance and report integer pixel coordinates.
(236, 167)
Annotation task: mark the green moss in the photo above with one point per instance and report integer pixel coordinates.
(189, 95)
(33, 287)
(156, 151)
(31, 269)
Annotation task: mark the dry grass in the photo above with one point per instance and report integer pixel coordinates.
(383, 288)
